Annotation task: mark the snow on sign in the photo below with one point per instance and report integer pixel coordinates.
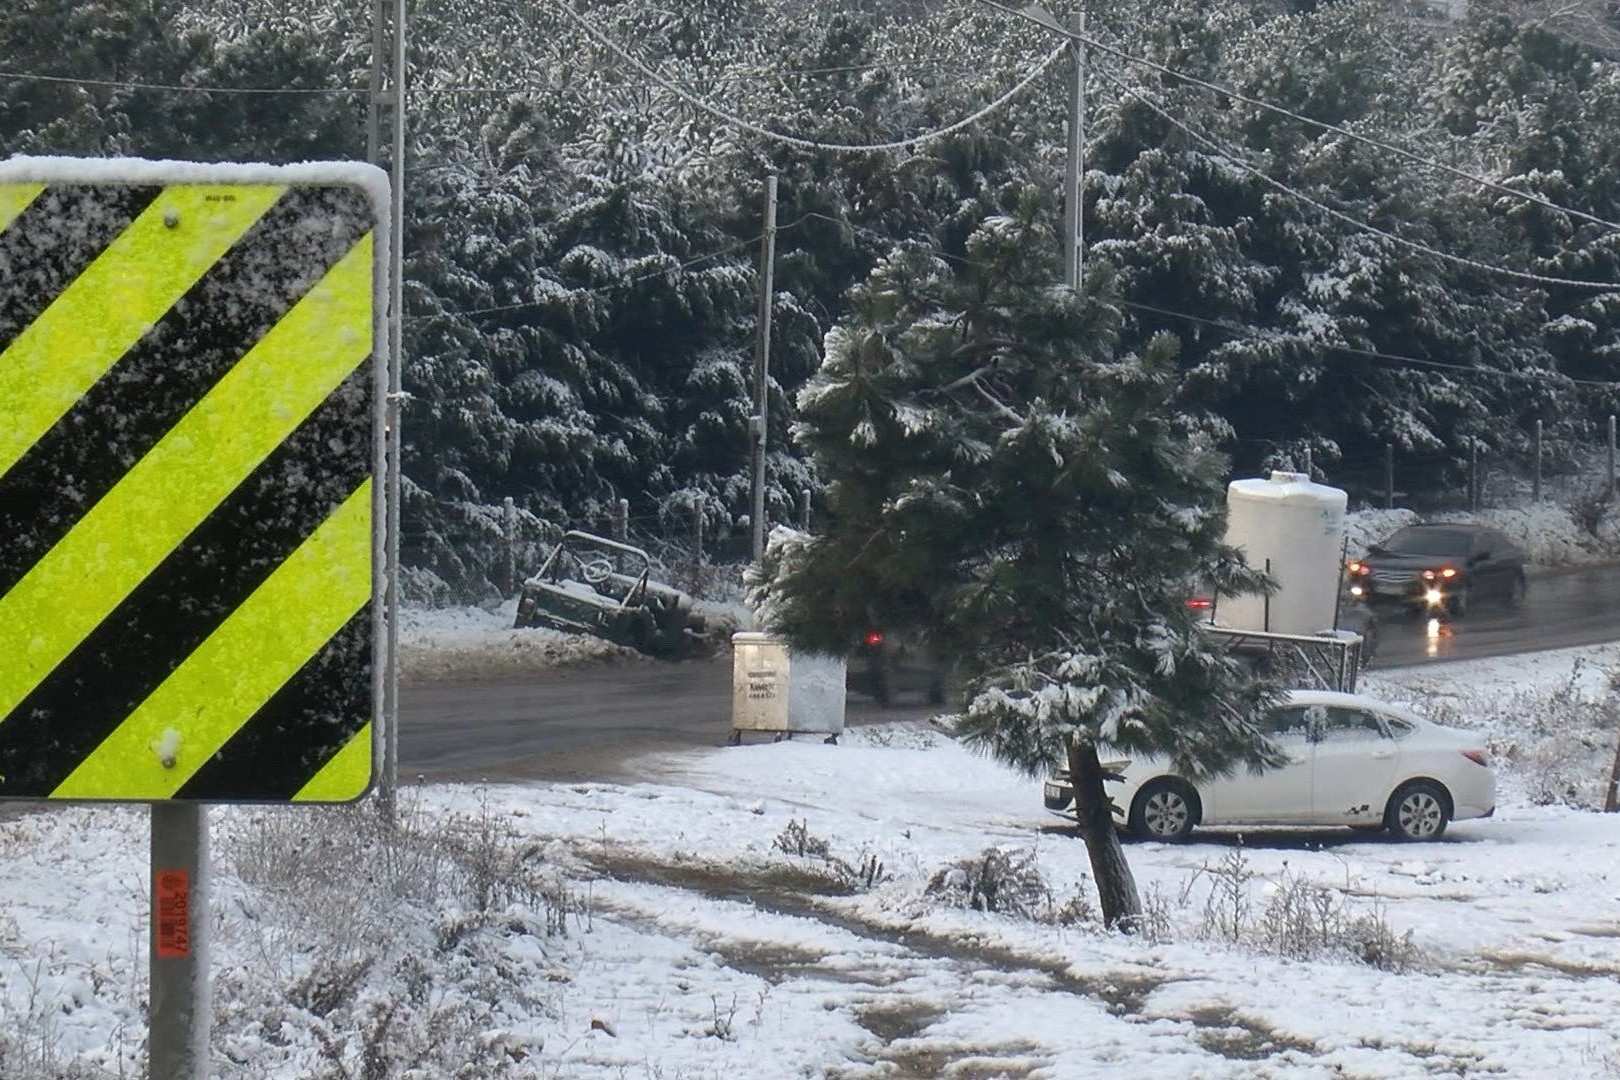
(190, 470)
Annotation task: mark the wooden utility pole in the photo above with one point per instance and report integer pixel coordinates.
(1535, 481)
(762, 368)
(1389, 476)
(1074, 215)
(1611, 455)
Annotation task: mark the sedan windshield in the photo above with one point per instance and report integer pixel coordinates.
(1429, 542)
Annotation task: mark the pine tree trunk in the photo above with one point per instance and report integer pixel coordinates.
(1116, 888)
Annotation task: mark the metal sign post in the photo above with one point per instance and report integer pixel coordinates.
(181, 1012)
(192, 488)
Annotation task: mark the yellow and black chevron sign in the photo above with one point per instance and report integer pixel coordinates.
(189, 458)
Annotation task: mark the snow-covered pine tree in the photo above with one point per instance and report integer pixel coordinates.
(1005, 482)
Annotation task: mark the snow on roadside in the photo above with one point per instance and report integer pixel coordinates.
(787, 910)
(475, 643)
(458, 643)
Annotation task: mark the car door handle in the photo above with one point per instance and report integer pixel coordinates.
(1382, 755)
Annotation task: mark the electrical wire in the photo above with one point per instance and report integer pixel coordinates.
(24, 76)
(793, 140)
(1320, 125)
(1228, 155)
(1246, 334)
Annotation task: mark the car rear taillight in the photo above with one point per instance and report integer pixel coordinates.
(1200, 603)
(874, 638)
(1477, 757)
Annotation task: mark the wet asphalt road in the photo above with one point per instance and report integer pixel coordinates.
(586, 723)
(1561, 609)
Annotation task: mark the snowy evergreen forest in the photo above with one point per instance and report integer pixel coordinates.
(582, 242)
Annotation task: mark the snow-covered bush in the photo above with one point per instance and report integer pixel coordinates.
(1289, 915)
(797, 840)
(413, 950)
(1550, 746)
(998, 880)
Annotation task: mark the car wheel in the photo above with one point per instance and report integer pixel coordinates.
(1461, 602)
(1369, 644)
(1418, 811)
(881, 692)
(1516, 591)
(1164, 810)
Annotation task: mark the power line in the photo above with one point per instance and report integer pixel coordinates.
(793, 140)
(1245, 333)
(1320, 125)
(25, 76)
(1260, 174)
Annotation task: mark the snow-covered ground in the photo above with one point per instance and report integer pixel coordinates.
(471, 642)
(802, 910)
(479, 643)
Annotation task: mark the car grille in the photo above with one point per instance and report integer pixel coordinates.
(1392, 577)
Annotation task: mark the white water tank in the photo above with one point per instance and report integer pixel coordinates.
(1299, 527)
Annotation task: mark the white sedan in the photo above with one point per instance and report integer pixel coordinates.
(1351, 760)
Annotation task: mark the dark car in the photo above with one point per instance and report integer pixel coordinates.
(890, 664)
(1442, 566)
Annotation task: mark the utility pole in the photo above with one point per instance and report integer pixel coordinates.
(374, 102)
(394, 98)
(1611, 455)
(762, 367)
(1074, 215)
(1535, 481)
(1475, 481)
(1389, 476)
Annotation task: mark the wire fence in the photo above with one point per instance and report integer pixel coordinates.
(1573, 468)
(479, 554)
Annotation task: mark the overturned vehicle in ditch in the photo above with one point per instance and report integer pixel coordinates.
(589, 584)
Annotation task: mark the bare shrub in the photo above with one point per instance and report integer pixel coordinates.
(1590, 505)
(1305, 919)
(1227, 911)
(1558, 747)
(30, 1040)
(1301, 919)
(995, 880)
(329, 984)
(797, 840)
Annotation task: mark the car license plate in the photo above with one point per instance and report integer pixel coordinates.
(1055, 791)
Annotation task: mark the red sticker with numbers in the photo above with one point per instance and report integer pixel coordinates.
(171, 895)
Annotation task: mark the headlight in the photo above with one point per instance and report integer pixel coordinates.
(1435, 597)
